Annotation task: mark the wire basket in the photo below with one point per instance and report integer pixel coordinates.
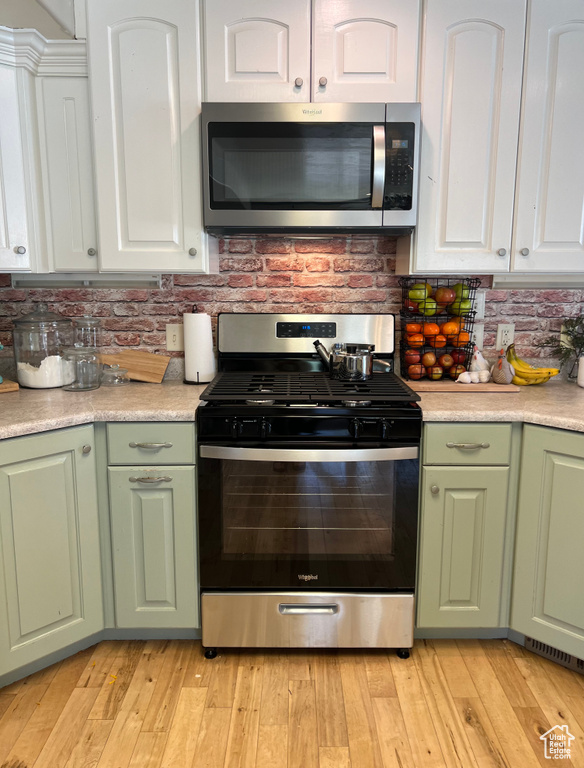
(430, 327)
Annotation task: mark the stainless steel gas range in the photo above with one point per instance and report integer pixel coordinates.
(307, 489)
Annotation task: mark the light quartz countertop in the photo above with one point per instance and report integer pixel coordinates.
(555, 404)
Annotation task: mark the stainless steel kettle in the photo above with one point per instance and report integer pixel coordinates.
(350, 362)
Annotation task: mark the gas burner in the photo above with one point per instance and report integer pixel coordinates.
(261, 390)
(260, 402)
(356, 403)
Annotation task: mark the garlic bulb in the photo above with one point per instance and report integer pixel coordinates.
(484, 376)
(464, 378)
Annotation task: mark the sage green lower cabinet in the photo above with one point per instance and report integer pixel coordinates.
(463, 520)
(548, 582)
(50, 573)
(153, 537)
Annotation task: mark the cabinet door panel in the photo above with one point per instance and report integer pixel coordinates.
(154, 547)
(462, 547)
(256, 50)
(50, 575)
(13, 210)
(367, 51)
(68, 170)
(549, 569)
(143, 60)
(471, 92)
(550, 182)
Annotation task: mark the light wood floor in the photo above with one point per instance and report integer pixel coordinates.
(161, 704)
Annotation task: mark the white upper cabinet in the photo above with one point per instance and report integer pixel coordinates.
(471, 94)
(67, 165)
(14, 223)
(145, 95)
(260, 50)
(365, 50)
(257, 50)
(549, 207)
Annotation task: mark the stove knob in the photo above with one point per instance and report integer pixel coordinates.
(236, 429)
(386, 429)
(265, 428)
(355, 428)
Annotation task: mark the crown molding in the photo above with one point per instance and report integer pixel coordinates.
(28, 49)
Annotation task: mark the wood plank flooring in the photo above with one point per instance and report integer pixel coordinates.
(161, 704)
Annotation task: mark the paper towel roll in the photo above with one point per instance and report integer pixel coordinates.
(200, 367)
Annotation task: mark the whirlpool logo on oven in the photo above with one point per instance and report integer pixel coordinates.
(308, 577)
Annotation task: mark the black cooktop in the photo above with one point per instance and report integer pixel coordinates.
(313, 387)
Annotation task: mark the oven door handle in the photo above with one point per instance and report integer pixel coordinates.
(298, 454)
(308, 608)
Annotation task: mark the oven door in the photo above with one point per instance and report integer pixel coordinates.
(308, 519)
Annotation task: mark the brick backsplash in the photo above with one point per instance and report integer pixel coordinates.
(277, 275)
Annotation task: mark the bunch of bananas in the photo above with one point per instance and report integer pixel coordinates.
(526, 374)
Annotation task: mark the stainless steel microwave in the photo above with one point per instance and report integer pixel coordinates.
(310, 168)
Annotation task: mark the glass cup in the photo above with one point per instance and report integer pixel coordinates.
(86, 368)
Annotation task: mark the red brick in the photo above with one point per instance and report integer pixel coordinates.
(239, 246)
(337, 245)
(13, 294)
(194, 294)
(284, 296)
(318, 264)
(291, 264)
(159, 309)
(362, 246)
(120, 294)
(156, 339)
(185, 280)
(491, 295)
(559, 310)
(319, 279)
(272, 246)
(240, 281)
(312, 295)
(126, 310)
(273, 281)
(5, 281)
(360, 281)
(240, 265)
(358, 265)
(128, 324)
(239, 294)
(552, 297)
(10, 310)
(386, 245)
(127, 339)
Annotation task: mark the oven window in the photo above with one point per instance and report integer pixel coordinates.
(281, 166)
(308, 524)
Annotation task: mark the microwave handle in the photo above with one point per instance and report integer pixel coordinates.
(378, 185)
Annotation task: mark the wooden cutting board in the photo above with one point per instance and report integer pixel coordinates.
(142, 366)
(8, 386)
(446, 385)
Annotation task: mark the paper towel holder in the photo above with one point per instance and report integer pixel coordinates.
(200, 364)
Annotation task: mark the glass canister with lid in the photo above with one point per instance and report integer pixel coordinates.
(40, 339)
(86, 368)
(87, 331)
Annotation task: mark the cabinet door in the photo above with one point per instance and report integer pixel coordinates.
(470, 93)
(144, 80)
(14, 235)
(67, 163)
(462, 546)
(50, 573)
(256, 50)
(153, 532)
(365, 50)
(550, 181)
(547, 602)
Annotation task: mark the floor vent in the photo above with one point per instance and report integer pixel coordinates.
(571, 662)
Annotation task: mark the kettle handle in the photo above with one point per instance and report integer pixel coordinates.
(323, 354)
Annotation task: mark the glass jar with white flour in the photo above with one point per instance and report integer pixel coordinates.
(40, 339)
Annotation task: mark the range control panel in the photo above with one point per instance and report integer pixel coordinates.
(306, 330)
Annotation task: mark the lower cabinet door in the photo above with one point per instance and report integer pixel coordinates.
(547, 602)
(50, 572)
(462, 542)
(153, 534)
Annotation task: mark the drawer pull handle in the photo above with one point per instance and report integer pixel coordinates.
(165, 479)
(308, 608)
(151, 446)
(468, 446)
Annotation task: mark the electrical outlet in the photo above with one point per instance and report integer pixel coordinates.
(175, 340)
(478, 335)
(480, 306)
(505, 335)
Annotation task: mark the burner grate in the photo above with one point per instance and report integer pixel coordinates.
(306, 387)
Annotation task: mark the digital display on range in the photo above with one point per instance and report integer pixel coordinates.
(306, 330)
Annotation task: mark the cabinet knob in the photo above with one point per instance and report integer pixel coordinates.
(502, 252)
(525, 251)
(192, 251)
(323, 81)
(91, 252)
(20, 249)
(434, 489)
(86, 449)
(299, 82)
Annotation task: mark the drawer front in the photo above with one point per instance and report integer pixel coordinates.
(159, 442)
(467, 444)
